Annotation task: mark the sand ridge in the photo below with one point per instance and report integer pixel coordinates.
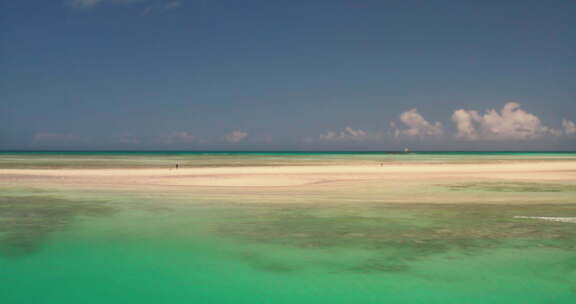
(305, 175)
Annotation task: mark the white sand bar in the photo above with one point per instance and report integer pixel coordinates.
(509, 182)
(302, 175)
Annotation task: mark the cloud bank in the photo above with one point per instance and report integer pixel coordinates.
(348, 134)
(416, 125)
(511, 125)
(511, 122)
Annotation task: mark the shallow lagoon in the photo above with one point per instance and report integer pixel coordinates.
(64, 251)
(70, 246)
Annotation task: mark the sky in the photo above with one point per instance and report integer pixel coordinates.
(287, 75)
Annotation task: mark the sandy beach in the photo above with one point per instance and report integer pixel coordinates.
(302, 175)
(546, 181)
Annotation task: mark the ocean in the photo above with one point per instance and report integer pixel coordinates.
(66, 245)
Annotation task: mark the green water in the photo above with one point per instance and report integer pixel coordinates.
(65, 246)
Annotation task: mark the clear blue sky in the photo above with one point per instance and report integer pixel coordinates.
(228, 74)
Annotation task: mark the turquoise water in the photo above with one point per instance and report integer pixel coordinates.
(66, 246)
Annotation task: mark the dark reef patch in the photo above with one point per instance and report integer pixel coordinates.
(25, 221)
(395, 235)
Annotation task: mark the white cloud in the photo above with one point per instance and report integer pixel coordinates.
(235, 136)
(348, 134)
(569, 127)
(416, 125)
(465, 123)
(510, 123)
(177, 138)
